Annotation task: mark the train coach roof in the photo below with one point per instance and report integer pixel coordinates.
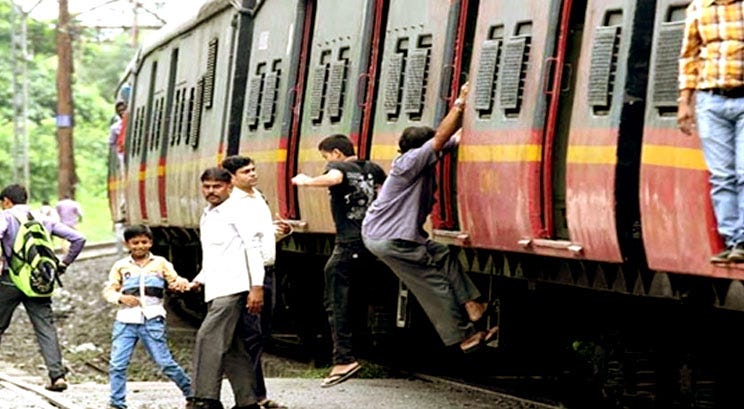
(173, 30)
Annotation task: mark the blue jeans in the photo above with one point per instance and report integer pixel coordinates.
(720, 122)
(152, 334)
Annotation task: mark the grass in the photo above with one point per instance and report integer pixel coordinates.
(96, 225)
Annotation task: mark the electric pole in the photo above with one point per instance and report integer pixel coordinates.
(19, 54)
(67, 179)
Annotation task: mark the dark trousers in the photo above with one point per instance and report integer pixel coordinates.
(255, 329)
(39, 310)
(346, 262)
(435, 278)
(219, 350)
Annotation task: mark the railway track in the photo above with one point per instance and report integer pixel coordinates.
(93, 250)
(17, 393)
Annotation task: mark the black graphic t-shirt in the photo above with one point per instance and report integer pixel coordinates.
(350, 198)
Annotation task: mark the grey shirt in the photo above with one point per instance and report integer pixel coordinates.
(406, 198)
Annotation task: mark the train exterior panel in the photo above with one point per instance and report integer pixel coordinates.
(605, 134)
(337, 73)
(270, 108)
(410, 91)
(177, 118)
(500, 159)
(679, 227)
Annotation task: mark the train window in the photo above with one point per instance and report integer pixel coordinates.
(270, 94)
(196, 125)
(336, 88)
(417, 76)
(317, 90)
(189, 117)
(603, 66)
(255, 88)
(666, 70)
(488, 72)
(174, 119)
(514, 70)
(393, 85)
(211, 73)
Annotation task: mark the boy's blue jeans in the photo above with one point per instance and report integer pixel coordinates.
(123, 340)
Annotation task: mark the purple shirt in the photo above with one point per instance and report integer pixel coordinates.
(406, 198)
(69, 212)
(9, 226)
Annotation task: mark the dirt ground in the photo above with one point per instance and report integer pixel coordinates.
(84, 320)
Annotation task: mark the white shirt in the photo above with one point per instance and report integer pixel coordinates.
(254, 208)
(231, 255)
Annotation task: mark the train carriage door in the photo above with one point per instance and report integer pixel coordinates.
(679, 227)
(418, 67)
(269, 110)
(602, 155)
(333, 101)
(500, 163)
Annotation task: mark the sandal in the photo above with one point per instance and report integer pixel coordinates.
(335, 379)
(271, 404)
(57, 385)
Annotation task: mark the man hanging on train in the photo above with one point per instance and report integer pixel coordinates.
(711, 83)
(393, 230)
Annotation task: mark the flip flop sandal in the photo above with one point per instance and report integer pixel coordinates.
(271, 404)
(335, 379)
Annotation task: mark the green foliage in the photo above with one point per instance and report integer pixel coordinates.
(99, 62)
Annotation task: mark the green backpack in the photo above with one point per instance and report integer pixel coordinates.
(32, 263)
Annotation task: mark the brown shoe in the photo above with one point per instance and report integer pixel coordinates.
(736, 255)
(58, 385)
(722, 257)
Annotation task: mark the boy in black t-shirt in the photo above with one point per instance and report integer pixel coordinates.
(353, 185)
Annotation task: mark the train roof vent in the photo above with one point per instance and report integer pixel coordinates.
(666, 69)
(603, 66)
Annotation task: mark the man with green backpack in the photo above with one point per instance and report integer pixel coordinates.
(29, 272)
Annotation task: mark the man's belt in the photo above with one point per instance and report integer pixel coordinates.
(737, 92)
(149, 291)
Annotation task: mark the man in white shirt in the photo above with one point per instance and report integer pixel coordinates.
(254, 329)
(232, 275)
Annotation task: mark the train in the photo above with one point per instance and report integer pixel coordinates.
(571, 170)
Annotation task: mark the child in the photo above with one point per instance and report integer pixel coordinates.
(137, 284)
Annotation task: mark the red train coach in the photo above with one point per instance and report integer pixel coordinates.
(570, 170)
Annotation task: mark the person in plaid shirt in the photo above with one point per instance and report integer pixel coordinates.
(711, 84)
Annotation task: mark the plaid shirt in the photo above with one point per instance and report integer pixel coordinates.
(712, 53)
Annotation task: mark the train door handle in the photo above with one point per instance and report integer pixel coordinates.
(567, 77)
(549, 89)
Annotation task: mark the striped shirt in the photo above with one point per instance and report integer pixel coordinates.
(126, 275)
(712, 53)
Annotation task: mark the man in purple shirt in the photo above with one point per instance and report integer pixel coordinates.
(70, 212)
(39, 309)
(393, 230)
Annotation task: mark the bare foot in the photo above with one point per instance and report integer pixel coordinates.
(475, 310)
(344, 368)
